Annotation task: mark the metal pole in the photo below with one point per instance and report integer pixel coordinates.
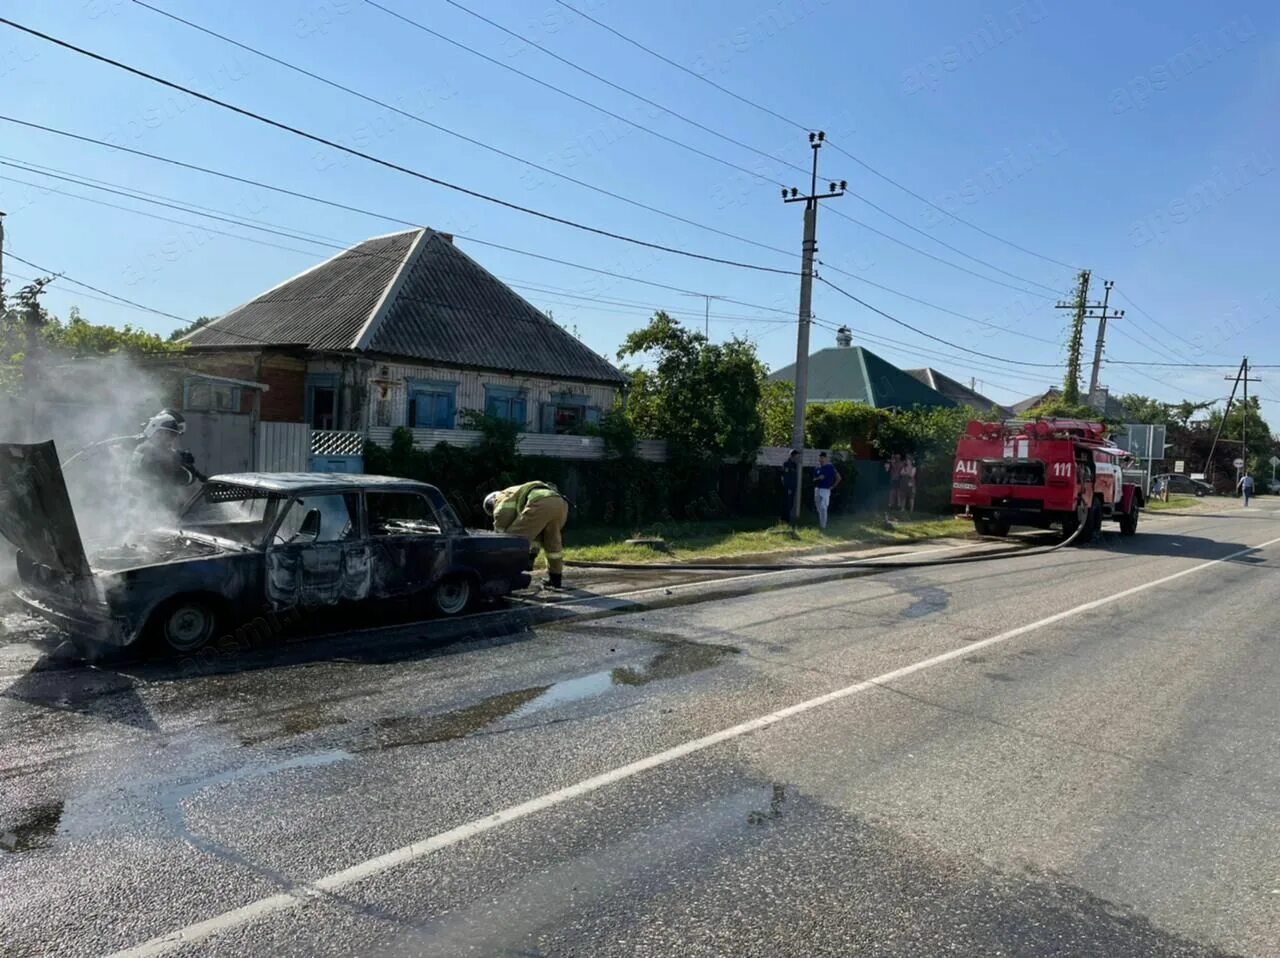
(1102, 335)
(1, 254)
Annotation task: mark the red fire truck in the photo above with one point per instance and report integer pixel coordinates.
(1042, 473)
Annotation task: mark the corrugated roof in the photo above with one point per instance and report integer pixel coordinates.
(326, 307)
(413, 295)
(450, 309)
(957, 392)
(859, 375)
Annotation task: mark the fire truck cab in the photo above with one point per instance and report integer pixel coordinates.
(1042, 473)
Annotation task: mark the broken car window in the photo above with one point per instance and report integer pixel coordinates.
(400, 513)
(232, 512)
(322, 518)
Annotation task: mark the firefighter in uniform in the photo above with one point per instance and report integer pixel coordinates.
(537, 511)
(159, 468)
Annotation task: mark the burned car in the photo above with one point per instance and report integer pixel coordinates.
(248, 544)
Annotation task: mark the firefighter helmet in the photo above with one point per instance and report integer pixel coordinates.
(166, 420)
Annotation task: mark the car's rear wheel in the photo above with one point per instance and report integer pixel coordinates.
(185, 624)
(452, 595)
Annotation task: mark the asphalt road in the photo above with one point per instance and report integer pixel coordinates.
(1064, 754)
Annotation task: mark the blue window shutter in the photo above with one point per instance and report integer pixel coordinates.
(450, 411)
(593, 415)
(520, 410)
(548, 417)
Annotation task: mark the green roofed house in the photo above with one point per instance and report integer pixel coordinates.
(854, 374)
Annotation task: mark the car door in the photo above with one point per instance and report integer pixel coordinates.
(318, 555)
(409, 547)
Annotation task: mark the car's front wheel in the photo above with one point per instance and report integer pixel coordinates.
(452, 595)
(185, 624)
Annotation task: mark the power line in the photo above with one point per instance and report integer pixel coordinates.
(941, 309)
(973, 226)
(937, 339)
(939, 259)
(1198, 349)
(388, 164)
(788, 120)
(315, 239)
(563, 92)
(390, 218)
(609, 83)
(736, 142)
(127, 302)
(683, 68)
(461, 136)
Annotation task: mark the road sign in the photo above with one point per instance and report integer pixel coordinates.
(1198, 475)
(1179, 466)
(1239, 464)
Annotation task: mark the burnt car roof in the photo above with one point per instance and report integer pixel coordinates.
(295, 482)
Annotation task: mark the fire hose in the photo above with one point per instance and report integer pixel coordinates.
(872, 563)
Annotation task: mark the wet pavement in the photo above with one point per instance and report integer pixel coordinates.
(1107, 783)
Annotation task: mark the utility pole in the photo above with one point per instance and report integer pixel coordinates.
(1102, 335)
(1208, 466)
(708, 297)
(1, 260)
(1079, 305)
(1244, 419)
(808, 251)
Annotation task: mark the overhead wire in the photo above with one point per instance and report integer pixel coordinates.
(938, 339)
(58, 274)
(382, 104)
(315, 239)
(739, 143)
(389, 164)
(391, 218)
(801, 126)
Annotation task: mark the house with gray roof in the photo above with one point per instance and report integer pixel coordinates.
(958, 392)
(405, 330)
(855, 374)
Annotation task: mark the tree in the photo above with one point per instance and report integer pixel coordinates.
(76, 338)
(777, 409)
(1144, 409)
(703, 398)
(197, 323)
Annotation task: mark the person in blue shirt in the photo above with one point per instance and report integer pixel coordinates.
(1246, 487)
(825, 479)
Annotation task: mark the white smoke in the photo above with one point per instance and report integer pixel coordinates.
(79, 405)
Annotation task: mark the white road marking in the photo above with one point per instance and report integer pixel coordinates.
(296, 898)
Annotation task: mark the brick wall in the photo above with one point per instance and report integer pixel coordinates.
(285, 399)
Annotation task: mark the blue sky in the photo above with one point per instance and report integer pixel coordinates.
(1139, 142)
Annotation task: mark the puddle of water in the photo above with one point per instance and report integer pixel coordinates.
(679, 658)
(34, 828)
(570, 690)
(396, 731)
(676, 660)
(929, 599)
(297, 721)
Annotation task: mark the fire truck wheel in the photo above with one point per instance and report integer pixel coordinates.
(982, 525)
(1129, 521)
(999, 527)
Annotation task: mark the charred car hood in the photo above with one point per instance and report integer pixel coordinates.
(35, 509)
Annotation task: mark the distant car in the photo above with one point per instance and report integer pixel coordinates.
(1183, 485)
(249, 544)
